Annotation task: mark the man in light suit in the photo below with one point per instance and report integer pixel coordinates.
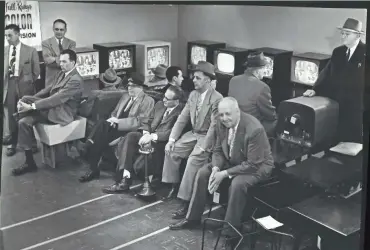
(56, 103)
(155, 133)
(21, 70)
(242, 153)
(132, 109)
(51, 49)
(343, 80)
(253, 95)
(195, 145)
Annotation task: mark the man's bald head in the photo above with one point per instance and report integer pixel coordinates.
(228, 111)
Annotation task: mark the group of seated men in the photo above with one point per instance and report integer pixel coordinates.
(236, 142)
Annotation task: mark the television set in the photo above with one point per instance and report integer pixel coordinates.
(150, 54)
(305, 67)
(117, 55)
(87, 62)
(201, 50)
(228, 62)
(277, 73)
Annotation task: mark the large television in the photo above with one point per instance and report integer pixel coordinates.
(87, 62)
(201, 50)
(277, 73)
(117, 55)
(228, 62)
(150, 54)
(305, 67)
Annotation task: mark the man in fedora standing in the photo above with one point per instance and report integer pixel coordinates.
(196, 144)
(342, 80)
(252, 94)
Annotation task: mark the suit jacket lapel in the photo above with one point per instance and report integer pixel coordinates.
(63, 82)
(22, 59)
(357, 54)
(205, 106)
(225, 146)
(238, 142)
(136, 104)
(54, 45)
(6, 61)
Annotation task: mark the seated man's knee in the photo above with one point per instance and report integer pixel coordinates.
(239, 183)
(25, 122)
(204, 172)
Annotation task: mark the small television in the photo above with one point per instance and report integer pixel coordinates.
(228, 62)
(87, 62)
(201, 50)
(117, 55)
(277, 73)
(305, 67)
(150, 54)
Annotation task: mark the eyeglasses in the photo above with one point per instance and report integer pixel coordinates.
(345, 34)
(166, 99)
(56, 29)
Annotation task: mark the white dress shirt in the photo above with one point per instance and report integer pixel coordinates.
(17, 56)
(352, 50)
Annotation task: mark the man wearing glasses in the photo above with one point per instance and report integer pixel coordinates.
(154, 133)
(132, 110)
(343, 81)
(52, 47)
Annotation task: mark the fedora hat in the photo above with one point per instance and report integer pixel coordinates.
(110, 78)
(352, 25)
(207, 68)
(160, 71)
(256, 60)
(135, 79)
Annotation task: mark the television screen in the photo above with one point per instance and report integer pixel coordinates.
(120, 59)
(88, 64)
(270, 67)
(225, 63)
(198, 54)
(306, 72)
(158, 55)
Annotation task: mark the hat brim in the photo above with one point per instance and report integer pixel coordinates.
(158, 75)
(264, 63)
(116, 82)
(351, 30)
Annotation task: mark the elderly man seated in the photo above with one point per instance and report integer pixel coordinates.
(242, 153)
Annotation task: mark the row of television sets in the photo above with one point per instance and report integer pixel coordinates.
(302, 68)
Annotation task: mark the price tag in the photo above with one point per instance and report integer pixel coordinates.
(216, 197)
(293, 120)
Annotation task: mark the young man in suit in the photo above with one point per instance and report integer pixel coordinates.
(253, 95)
(194, 145)
(242, 153)
(154, 133)
(21, 70)
(343, 79)
(133, 107)
(51, 49)
(56, 103)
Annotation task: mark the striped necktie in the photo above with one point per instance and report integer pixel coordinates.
(129, 104)
(198, 107)
(60, 45)
(231, 139)
(348, 54)
(12, 62)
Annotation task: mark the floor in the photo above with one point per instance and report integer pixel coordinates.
(51, 210)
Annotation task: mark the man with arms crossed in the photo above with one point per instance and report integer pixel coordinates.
(51, 49)
(242, 153)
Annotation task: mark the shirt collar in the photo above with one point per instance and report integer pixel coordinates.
(204, 94)
(17, 46)
(61, 40)
(67, 73)
(351, 50)
(170, 109)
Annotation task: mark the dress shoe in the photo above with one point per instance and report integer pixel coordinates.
(89, 176)
(181, 213)
(25, 168)
(10, 151)
(184, 224)
(172, 194)
(118, 188)
(7, 140)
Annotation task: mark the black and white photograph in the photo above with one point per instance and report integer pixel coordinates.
(167, 126)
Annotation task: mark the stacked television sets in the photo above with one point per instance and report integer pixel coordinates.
(228, 62)
(117, 55)
(149, 54)
(277, 74)
(305, 69)
(201, 50)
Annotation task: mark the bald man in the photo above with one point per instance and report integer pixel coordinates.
(242, 153)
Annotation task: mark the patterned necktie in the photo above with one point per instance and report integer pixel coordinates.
(199, 106)
(12, 63)
(129, 104)
(166, 113)
(60, 45)
(231, 139)
(347, 55)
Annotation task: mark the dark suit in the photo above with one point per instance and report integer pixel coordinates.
(14, 88)
(251, 161)
(130, 120)
(128, 146)
(58, 103)
(50, 51)
(254, 98)
(343, 81)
